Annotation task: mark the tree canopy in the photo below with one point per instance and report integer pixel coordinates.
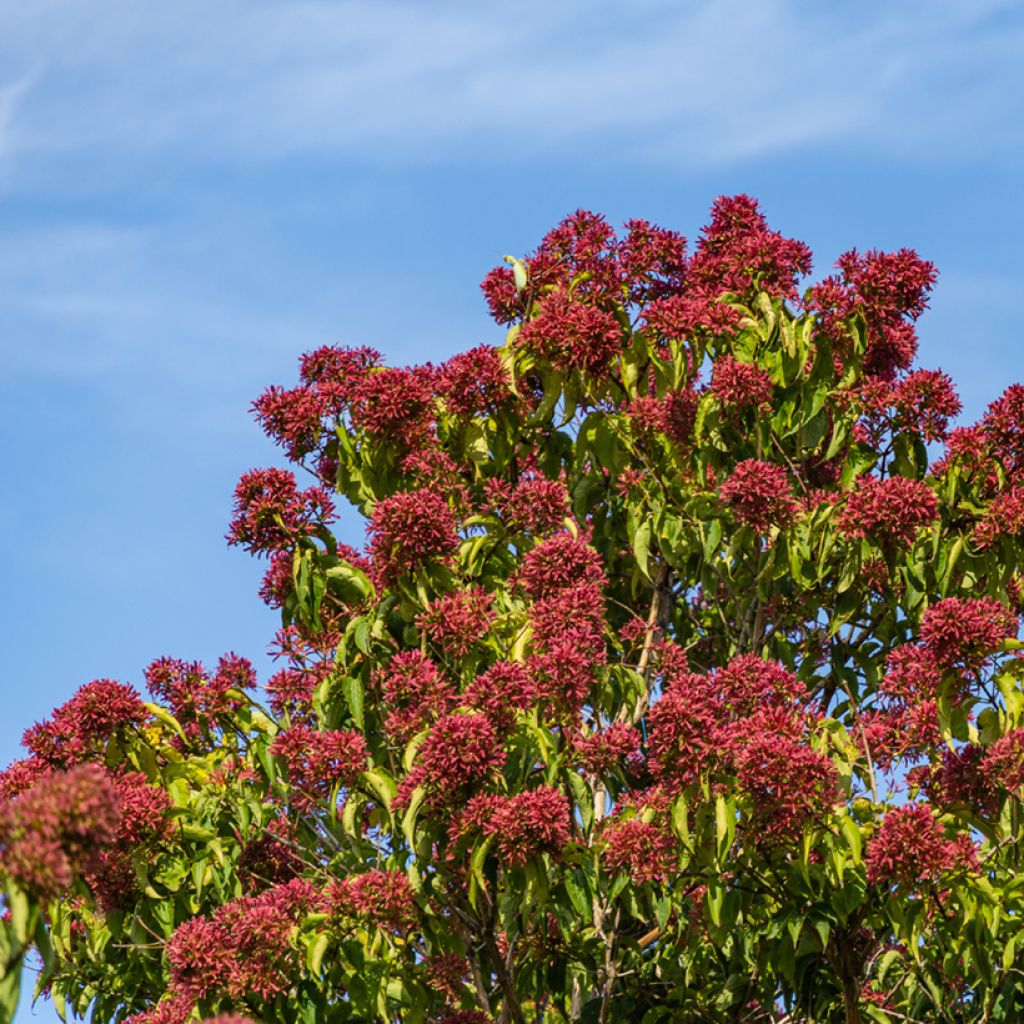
(678, 680)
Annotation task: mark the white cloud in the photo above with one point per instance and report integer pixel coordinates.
(689, 83)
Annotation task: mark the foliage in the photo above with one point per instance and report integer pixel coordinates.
(677, 682)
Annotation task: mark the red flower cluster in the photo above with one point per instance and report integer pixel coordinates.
(560, 563)
(454, 622)
(740, 386)
(319, 761)
(459, 752)
(570, 335)
(80, 728)
(1004, 518)
(384, 898)
(505, 688)
(523, 826)
(910, 849)
(583, 253)
(395, 404)
(889, 511)
(737, 253)
(963, 632)
(244, 948)
(607, 749)
(1004, 762)
(57, 830)
(196, 698)
(414, 693)
(646, 851)
(673, 415)
(759, 494)
(271, 513)
(475, 383)
(534, 505)
(408, 530)
(746, 722)
(891, 290)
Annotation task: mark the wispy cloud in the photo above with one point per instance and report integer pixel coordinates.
(690, 83)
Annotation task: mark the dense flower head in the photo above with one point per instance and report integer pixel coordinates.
(892, 510)
(194, 696)
(562, 562)
(414, 692)
(652, 261)
(80, 727)
(57, 830)
(395, 404)
(502, 690)
(270, 511)
(1004, 761)
(1003, 518)
(912, 674)
(293, 417)
(759, 494)
(673, 415)
(318, 761)
(600, 752)
(244, 948)
(291, 691)
(523, 826)
(965, 631)
(384, 898)
(925, 401)
(20, 775)
(890, 290)
(574, 615)
(173, 1008)
(446, 973)
(737, 251)
(910, 849)
(645, 851)
(790, 786)
(461, 750)
(897, 732)
(475, 383)
(277, 581)
(533, 505)
(455, 621)
(740, 386)
(201, 955)
(962, 777)
(408, 530)
(571, 335)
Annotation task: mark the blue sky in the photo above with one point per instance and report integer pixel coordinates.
(192, 194)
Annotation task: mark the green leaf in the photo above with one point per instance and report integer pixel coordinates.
(315, 953)
(642, 546)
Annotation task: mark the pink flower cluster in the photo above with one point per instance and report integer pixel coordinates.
(475, 383)
(890, 511)
(964, 632)
(384, 898)
(523, 826)
(461, 751)
(891, 290)
(409, 530)
(196, 698)
(645, 851)
(245, 948)
(572, 336)
(80, 728)
(271, 512)
(740, 386)
(673, 415)
(533, 505)
(456, 621)
(317, 761)
(57, 830)
(910, 849)
(759, 495)
(414, 694)
(745, 721)
(602, 751)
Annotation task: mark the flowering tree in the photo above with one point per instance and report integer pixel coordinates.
(678, 681)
